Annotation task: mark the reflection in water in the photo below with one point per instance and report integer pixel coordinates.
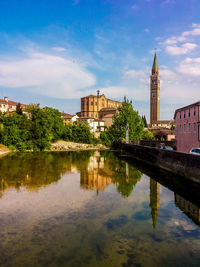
(103, 170)
(91, 177)
(154, 200)
(190, 209)
(33, 170)
(97, 170)
(51, 225)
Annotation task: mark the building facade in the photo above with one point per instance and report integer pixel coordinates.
(187, 127)
(68, 118)
(91, 105)
(9, 106)
(98, 107)
(96, 126)
(154, 93)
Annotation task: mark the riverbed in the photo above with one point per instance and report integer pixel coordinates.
(94, 208)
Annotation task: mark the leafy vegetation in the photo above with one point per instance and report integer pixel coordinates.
(35, 129)
(126, 115)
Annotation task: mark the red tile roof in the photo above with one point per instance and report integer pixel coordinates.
(3, 101)
(67, 116)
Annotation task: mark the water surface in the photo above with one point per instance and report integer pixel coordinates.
(93, 209)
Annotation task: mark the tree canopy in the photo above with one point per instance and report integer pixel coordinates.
(125, 115)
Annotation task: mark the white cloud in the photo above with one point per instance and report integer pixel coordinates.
(190, 67)
(46, 74)
(58, 49)
(147, 30)
(180, 50)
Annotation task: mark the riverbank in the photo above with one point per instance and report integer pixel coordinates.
(66, 146)
(181, 164)
(3, 150)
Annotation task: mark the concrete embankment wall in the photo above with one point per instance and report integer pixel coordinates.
(183, 164)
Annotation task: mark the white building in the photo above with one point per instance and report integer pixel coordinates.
(9, 106)
(96, 125)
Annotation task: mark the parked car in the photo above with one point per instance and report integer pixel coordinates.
(163, 146)
(195, 151)
(168, 148)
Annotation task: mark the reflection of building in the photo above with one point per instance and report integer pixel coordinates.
(190, 209)
(187, 127)
(154, 200)
(91, 177)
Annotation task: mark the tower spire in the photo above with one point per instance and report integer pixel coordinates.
(155, 68)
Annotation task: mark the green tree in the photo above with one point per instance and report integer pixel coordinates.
(125, 115)
(144, 121)
(147, 135)
(19, 109)
(79, 132)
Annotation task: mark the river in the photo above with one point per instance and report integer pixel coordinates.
(95, 208)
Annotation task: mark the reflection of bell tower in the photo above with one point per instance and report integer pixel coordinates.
(154, 93)
(154, 200)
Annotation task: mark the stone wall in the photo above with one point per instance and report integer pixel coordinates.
(182, 164)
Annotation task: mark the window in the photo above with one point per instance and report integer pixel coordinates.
(184, 114)
(103, 104)
(194, 111)
(153, 94)
(95, 103)
(195, 127)
(189, 127)
(189, 113)
(184, 127)
(180, 127)
(180, 114)
(92, 103)
(87, 102)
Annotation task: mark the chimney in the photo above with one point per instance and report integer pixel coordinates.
(6, 99)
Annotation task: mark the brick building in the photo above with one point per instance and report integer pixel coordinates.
(187, 127)
(155, 123)
(92, 104)
(154, 93)
(98, 107)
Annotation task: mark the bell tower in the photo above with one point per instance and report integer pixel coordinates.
(154, 93)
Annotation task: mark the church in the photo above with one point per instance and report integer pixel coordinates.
(155, 121)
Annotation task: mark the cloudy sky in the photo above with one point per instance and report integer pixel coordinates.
(54, 52)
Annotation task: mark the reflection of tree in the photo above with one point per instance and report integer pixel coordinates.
(190, 209)
(124, 175)
(33, 170)
(97, 170)
(125, 178)
(154, 200)
(105, 168)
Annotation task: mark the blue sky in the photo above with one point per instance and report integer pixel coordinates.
(54, 52)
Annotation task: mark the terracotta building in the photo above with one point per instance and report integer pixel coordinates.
(9, 106)
(98, 106)
(68, 118)
(187, 127)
